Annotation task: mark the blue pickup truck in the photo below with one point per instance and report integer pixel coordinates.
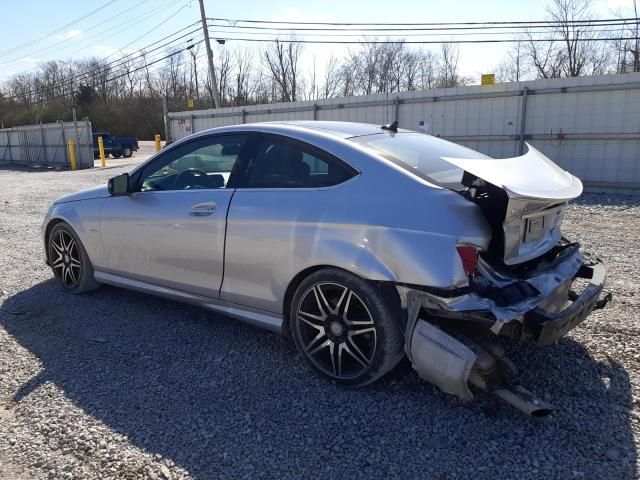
(116, 146)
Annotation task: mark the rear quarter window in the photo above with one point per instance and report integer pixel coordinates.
(422, 155)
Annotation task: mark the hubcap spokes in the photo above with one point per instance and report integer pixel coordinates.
(337, 330)
(65, 258)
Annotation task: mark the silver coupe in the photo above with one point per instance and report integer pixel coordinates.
(364, 243)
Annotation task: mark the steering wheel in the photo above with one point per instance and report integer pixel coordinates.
(192, 178)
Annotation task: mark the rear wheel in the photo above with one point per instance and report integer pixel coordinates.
(127, 152)
(69, 260)
(345, 328)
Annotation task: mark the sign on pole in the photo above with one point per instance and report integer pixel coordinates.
(488, 79)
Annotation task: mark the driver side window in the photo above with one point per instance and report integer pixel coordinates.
(206, 163)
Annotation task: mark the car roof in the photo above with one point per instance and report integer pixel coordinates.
(341, 130)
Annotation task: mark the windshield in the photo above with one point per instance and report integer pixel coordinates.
(422, 155)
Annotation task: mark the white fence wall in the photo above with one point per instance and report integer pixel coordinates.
(588, 125)
(46, 144)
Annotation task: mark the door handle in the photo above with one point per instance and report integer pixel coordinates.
(203, 209)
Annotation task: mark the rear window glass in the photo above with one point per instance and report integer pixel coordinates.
(421, 155)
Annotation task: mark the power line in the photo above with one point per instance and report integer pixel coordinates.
(350, 24)
(65, 40)
(121, 26)
(146, 65)
(57, 30)
(455, 41)
(294, 28)
(230, 30)
(154, 28)
(121, 61)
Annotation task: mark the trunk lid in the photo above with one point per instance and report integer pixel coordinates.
(523, 199)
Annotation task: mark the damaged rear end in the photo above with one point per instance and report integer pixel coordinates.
(529, 283)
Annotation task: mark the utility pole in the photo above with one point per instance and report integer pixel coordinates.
(212, 74)
(165, 116)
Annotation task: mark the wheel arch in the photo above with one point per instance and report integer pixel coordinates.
(385, 287)
(47, 233)
(65, 218)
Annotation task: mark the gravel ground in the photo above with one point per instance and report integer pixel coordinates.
(117, 384)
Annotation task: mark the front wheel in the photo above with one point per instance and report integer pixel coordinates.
(69, 260)
(345, 327)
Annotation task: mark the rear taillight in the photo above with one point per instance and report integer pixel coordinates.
(469, 257)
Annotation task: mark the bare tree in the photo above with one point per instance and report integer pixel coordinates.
(448, 75)
(629, 50)
(314, 89)
(514, 67)
(570, 47)
(546, 58)
(582, 53)
(427, 70)
(243, 75)
(348, 72)
(331, 81)
(282, 59)
(224, 70)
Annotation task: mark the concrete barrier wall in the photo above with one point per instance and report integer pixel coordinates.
(588, 125)
(46, 144)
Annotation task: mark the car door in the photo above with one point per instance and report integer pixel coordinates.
(171, 230)
(289, 201)
(107, 142)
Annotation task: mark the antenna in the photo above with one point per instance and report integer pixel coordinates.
(391, 128)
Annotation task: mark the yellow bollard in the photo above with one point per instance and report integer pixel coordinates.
(103, 159)
(157, 142)
(72, 154)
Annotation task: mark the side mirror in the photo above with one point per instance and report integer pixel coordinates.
(119, 185)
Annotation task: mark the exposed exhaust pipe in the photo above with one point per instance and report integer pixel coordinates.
(525, 401)
(452, 363)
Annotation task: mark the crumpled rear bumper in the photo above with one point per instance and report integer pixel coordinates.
(534, 306)
(448, 338)
(547, 327)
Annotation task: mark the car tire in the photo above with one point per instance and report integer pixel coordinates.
(127, 152)
(322, 313)
(69, 260)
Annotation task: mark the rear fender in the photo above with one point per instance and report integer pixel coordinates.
(357, 259)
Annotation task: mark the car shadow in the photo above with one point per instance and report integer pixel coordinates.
(222, 399)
